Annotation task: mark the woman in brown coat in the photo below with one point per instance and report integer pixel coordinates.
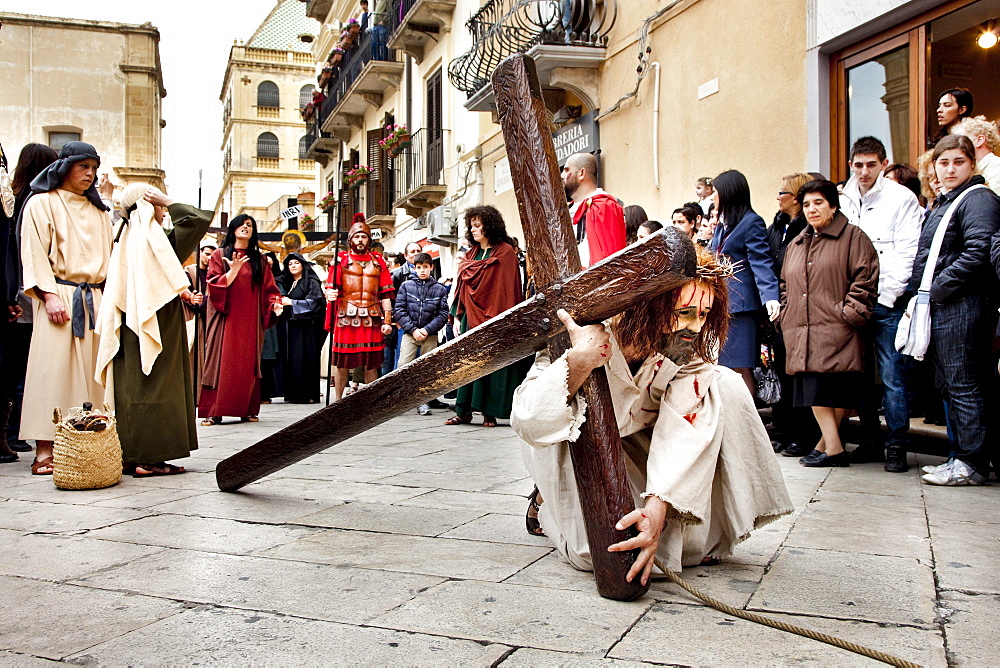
(829, 283)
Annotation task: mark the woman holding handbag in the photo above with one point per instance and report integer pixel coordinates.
(953, 280)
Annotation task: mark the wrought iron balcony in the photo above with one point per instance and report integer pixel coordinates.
(322, 146)
(556, 33)
(367, 72)
(412, 23)
(418, 173)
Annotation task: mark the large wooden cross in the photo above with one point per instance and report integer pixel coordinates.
(627, 278)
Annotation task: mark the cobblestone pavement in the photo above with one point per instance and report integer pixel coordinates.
(406, 545)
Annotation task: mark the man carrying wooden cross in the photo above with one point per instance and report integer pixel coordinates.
(699, 461)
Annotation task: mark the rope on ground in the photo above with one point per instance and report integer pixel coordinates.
(782, 626)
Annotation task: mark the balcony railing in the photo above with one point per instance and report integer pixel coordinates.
(418, 172)
(368, 46)
(320, 145)
(504, 27)
(412, 23)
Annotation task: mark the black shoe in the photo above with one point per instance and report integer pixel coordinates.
(895, 459)
(812, 456)
(796, 450)
(868, 452)
(778, 446)
(19, 446)
(437, 403)
(825, 460)
(451, 395)
(8, 458)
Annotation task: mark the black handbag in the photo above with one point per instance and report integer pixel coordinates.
(766, 377)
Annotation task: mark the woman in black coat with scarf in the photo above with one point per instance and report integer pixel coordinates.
(302, 322)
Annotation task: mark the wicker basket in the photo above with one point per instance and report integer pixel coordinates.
(85, 459)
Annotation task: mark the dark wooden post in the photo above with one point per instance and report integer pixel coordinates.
(598, 458)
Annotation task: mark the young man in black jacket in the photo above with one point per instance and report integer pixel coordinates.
(421, 311)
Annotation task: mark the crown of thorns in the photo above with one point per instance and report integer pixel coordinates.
(712, 266)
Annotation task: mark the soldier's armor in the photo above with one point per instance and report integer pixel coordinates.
(359, 301)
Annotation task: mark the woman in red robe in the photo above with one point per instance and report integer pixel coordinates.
(243, 302)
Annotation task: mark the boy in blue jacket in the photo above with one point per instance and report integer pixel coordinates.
(421, 310)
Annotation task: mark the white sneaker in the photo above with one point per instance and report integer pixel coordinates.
(935, 468)
(959, 473)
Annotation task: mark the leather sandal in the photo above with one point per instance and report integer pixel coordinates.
(211, 421)
(250, 418)
(160, 468)
(489, 421)
(531, 522)
(38, 465)
(459, 419)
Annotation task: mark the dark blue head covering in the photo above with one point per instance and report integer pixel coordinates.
(52, 176)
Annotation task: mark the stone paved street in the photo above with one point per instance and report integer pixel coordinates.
(406, 546)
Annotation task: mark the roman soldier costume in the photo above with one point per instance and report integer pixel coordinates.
(356, 317)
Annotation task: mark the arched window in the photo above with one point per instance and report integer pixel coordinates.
(267, 145)
(267, 94)
(303, 147)
(306, 95)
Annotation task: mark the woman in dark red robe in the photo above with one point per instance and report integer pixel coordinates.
(489, 283)
(243, 302)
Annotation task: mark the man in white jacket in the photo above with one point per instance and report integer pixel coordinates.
(891, 217)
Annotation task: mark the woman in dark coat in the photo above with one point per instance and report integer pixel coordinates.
(829, 283)
(302, 325)
(963, 317)
(795, 428)
(488, 283)
(742, 237)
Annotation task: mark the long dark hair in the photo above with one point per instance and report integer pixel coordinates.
(30, 163)
(635, 216)
(252, 251)
(734, 196)
(493, 225)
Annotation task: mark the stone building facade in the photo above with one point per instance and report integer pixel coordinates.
(107, 94)
(266, 81)
(665, 92)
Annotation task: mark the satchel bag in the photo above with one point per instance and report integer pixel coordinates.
(86, 452)
(913, 335)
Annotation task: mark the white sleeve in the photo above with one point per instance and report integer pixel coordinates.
(541, 415)
(905, 239)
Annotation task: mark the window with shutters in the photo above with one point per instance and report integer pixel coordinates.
(268, 95)
(349, 197)
(435, 130)
(303, 147)
(306, 95)
(267, 145)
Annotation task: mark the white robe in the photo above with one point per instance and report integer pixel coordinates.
(691, 437)
(62, 236)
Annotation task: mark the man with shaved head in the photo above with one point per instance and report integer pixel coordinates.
(597, 216)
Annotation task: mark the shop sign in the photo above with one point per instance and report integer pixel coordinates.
(580, 136)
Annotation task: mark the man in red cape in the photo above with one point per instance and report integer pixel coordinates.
(359, 313)
(598, 219)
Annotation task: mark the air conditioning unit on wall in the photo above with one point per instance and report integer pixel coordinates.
(442, 228)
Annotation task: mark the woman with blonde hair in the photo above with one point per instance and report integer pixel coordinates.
(143, 357)
(795, 428)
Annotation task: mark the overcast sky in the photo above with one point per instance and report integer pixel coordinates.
(195, 38)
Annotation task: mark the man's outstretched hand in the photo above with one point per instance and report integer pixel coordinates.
(650, 521)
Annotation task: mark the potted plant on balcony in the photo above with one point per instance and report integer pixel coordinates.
(324, 76)
(328, 202)
(335, 56)
(353, 26)
(308, 111)
(358, 175)
(346, 39)
(307, 223)
(396, 140)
